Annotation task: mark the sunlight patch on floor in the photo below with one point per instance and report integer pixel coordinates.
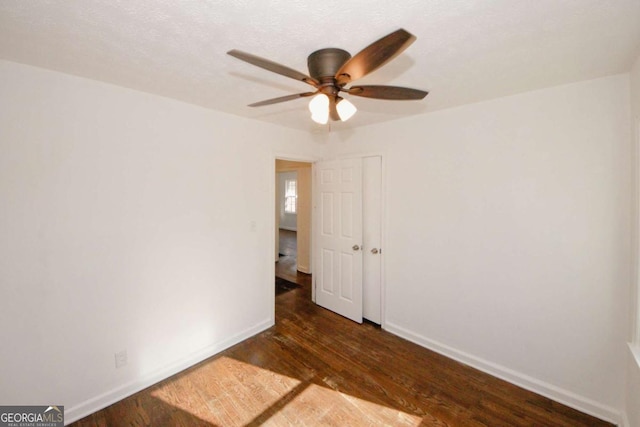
(318, 405)
(227, 392)
(231, 393)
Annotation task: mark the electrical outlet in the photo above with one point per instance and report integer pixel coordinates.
(121, 358)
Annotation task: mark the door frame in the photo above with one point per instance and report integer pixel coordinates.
(383, 234)
(383, 221)
(309, 158)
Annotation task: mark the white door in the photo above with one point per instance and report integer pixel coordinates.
(338, 237)
(372, 229)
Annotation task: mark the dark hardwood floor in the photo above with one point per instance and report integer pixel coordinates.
(287, 265)
(317, 368)
(288, 242)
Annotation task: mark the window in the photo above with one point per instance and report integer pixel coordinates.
(290, 196)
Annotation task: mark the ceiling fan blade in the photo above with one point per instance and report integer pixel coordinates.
(333, 110)
(387, 92)
(273, 66)
(281, 99)
(374, 56)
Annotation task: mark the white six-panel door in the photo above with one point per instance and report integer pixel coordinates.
(338, 238)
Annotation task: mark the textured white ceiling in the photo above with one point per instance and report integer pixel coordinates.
(466, 51)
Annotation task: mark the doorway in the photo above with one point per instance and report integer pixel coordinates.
(293, 224)
(353, 273)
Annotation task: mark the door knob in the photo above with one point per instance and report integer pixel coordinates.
(374, 251)
(355, 247)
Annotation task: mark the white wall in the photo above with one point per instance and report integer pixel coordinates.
(507, 236)
(633, 366)
(122, 217)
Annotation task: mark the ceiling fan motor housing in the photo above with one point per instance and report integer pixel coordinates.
(326, 62)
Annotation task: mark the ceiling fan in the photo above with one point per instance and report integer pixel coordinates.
(332, 69)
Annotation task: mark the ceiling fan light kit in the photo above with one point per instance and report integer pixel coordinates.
(346, 109)
(332, 69)
(319, 107)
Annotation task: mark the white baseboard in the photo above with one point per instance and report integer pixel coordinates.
(573, 400)
(304, 269)
(101, 401)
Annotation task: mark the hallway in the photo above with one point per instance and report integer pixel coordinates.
(287, 265)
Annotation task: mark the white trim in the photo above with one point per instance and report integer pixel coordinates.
(272, 254)
(304, 270)
(568, 398)
(635, 291)
(383, 239)
(314, 226)
(110, 397)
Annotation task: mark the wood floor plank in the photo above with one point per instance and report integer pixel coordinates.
(317, 368)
